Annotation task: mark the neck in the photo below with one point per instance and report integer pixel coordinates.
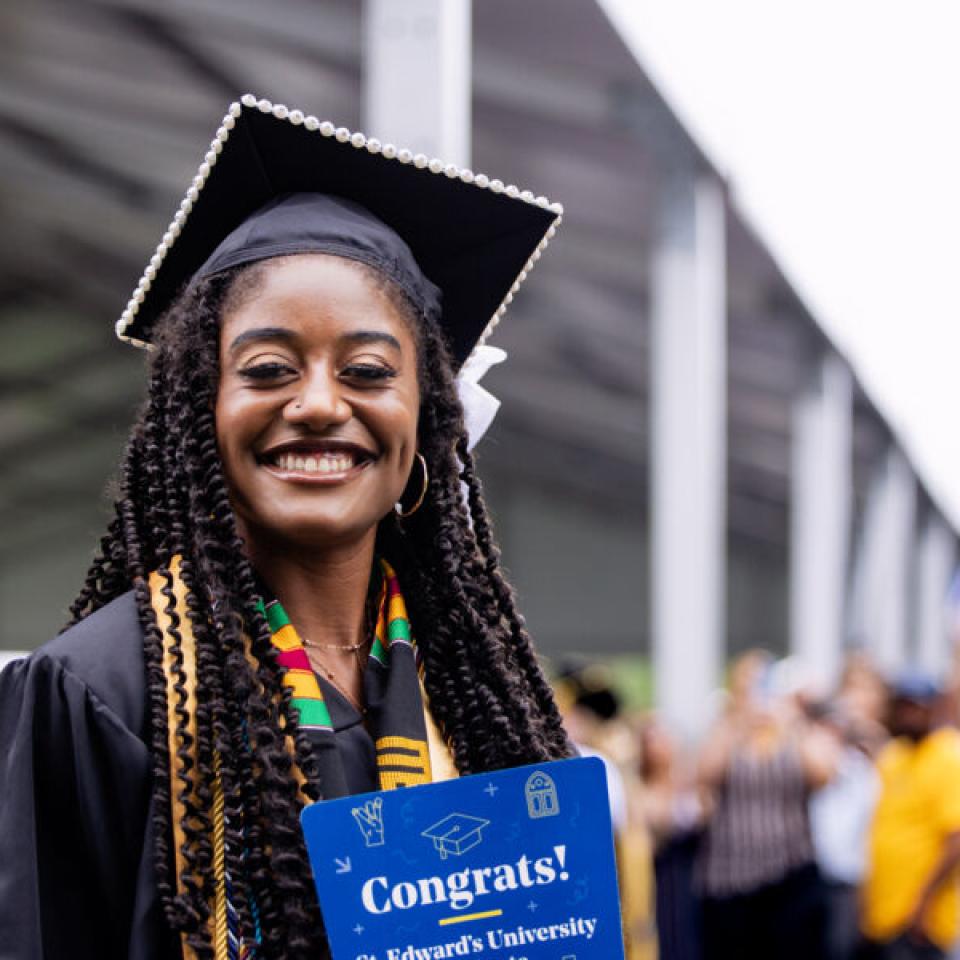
(323, 592)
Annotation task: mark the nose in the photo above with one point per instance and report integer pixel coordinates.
(319, 402)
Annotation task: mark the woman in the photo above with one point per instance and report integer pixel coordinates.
(762, 892)
(242, 644)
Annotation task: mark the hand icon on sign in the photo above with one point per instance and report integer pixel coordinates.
(369, 819)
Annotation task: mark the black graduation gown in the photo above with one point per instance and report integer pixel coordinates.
(76, 833)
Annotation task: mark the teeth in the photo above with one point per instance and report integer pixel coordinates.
(315, 463)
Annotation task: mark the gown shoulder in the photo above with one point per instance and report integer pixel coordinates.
(76, 841)
(104, 654)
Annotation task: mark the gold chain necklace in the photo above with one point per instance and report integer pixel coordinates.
(348, 647)
(353, 648)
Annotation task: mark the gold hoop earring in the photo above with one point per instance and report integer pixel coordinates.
(423, 493)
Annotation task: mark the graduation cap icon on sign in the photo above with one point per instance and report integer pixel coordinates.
(456, 834)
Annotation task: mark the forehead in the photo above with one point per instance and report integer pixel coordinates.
(312, 291)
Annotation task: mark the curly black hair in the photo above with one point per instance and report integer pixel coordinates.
(487, 692)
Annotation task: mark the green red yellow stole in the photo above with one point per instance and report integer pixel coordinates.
(392, 684)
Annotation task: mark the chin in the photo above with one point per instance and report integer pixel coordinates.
(311, 532)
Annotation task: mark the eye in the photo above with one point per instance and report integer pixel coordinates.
(369, 372)
(269, 370)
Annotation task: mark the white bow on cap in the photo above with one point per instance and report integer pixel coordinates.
(479, 405)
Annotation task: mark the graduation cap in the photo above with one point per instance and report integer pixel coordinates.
(456, 834)
(471, 236)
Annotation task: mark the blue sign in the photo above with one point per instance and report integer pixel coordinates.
(512, 865)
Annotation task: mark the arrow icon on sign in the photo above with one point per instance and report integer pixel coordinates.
(343, 866)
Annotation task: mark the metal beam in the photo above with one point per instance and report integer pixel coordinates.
(158, 30)
(45, 147)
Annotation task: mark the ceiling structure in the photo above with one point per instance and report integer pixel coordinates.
(105, 110)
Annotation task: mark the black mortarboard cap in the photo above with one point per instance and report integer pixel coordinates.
(472, 236)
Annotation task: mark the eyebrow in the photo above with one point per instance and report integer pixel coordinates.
(260, 333)
(282, 333)
(373, 336)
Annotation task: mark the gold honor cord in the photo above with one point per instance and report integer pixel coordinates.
(183, 676)
(442, 766)
(220, 924)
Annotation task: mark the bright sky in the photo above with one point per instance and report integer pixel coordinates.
(837, 124)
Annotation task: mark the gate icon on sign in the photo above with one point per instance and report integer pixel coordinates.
(541, 794)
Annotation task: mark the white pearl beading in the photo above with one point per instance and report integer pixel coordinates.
(360, 142)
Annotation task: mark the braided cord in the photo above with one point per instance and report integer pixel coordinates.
(220, 932)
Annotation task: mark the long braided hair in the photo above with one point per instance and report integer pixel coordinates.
(487, 692)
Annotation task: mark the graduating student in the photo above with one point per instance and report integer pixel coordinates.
(299, 596)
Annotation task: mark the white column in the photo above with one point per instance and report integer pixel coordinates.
(880, 602)
(820, 518)
(936, 558)
(417, 70)
(688, 468)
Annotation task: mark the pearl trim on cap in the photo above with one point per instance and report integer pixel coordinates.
(360, 142)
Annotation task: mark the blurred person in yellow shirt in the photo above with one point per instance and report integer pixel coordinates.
(911, 898)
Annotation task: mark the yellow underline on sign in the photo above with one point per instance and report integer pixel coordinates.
(446, 921)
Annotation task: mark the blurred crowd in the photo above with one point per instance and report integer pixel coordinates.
(800, 826)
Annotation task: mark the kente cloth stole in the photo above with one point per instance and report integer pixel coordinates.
(409, 747)
(396, 721)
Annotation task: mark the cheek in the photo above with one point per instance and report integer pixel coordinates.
(411, 436)
(412, 411)
(397, 424)
(231, 425)
(222, 427)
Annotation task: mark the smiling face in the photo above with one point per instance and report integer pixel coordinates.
(317, 405)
